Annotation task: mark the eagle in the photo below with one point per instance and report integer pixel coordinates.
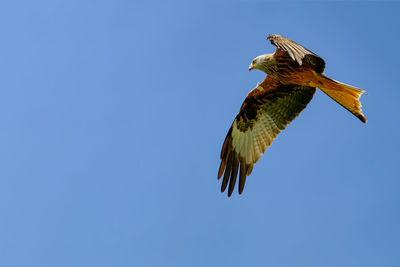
(293, 74)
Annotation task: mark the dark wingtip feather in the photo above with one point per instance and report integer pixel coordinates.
(225, 152)
(227, 173)
(226, 147)
(232, 182)
(221, 168)
(242, 176)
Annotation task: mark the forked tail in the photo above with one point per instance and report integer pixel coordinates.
(346, 95)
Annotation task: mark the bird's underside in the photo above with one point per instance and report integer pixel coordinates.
(294, 73)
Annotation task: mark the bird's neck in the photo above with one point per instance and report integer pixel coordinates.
(269, 65)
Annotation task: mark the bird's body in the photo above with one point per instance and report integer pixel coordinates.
(287, 71)
(294, 73)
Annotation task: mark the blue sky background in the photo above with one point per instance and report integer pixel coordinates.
(112, 117)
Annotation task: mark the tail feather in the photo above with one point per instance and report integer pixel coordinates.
(346, 95)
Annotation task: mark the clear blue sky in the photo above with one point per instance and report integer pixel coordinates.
(112, 117)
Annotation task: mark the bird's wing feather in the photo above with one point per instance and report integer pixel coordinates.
(266, 111)
(296, 52)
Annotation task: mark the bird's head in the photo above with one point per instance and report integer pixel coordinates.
(261, 62)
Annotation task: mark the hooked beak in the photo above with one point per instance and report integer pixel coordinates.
(251, 67)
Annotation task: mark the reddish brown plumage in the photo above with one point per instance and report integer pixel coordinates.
(293, 76)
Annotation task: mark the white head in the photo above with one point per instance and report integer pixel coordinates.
(261, 62)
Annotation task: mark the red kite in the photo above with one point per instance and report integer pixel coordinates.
(294, 73)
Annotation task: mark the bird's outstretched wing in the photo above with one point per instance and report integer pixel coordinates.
(265, 112)
(296, 52)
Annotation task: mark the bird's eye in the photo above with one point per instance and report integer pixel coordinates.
(254, 62)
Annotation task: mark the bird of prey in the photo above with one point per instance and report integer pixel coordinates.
(293, 74)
